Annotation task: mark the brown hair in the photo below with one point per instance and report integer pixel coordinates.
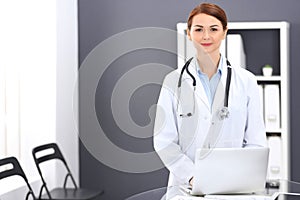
(209, 9)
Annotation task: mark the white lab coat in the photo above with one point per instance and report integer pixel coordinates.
(176, 138)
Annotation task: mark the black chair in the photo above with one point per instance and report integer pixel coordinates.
(61, 193)
(15, 170)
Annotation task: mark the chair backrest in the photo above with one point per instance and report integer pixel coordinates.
(50, 155)
(55, 155)
(16, 169)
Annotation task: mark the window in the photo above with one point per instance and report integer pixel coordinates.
(10, 111)
(27, 79)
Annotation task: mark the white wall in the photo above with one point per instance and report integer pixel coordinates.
(67, 87)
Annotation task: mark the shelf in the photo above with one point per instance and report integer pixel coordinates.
(257, 25)
(268, 78)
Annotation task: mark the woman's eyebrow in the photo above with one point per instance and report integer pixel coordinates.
(214, 25)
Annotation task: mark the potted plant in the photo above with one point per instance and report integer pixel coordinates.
(267, 70)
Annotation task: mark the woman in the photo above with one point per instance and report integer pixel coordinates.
(189, 118)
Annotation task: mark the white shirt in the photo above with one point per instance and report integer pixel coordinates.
(176, 138)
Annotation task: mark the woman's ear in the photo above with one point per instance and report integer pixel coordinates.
(225, 33)
(188, 34)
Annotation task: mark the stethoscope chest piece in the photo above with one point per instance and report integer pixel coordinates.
(223, 113)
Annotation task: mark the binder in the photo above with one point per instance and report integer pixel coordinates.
(274, 166)
(235, 50)
(272, 107)
(261, 97)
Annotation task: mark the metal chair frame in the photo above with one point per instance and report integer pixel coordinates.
(56, 155)
(15, 170)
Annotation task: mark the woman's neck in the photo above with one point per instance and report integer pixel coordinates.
(208, 63)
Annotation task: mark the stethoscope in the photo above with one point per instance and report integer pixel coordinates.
(224, 112)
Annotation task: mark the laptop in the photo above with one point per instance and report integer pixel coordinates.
(230, 170)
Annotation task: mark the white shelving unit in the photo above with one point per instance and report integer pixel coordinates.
(281, 78)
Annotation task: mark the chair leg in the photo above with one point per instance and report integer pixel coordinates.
(30, 193)
(41, 192)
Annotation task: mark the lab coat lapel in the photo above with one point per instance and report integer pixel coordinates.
(200, 92)
(218, 101)
(217, 124)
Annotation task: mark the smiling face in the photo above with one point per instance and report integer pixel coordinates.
(206, 33)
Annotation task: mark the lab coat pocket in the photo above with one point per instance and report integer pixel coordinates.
(187, 131)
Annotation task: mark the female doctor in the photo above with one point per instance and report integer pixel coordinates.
(207, 103)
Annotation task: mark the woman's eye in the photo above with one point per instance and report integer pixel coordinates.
(198, 29)
(214, 29)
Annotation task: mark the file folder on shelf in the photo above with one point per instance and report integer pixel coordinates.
(261, 97)
(235, 50)
(272, 107)
(274, 166)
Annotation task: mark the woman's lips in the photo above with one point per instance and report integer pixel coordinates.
(206, 44)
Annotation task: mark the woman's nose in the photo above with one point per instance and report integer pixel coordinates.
(205, 34)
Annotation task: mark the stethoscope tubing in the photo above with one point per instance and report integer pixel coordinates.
(224, 111)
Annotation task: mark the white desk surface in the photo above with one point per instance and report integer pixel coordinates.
(177, 193)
